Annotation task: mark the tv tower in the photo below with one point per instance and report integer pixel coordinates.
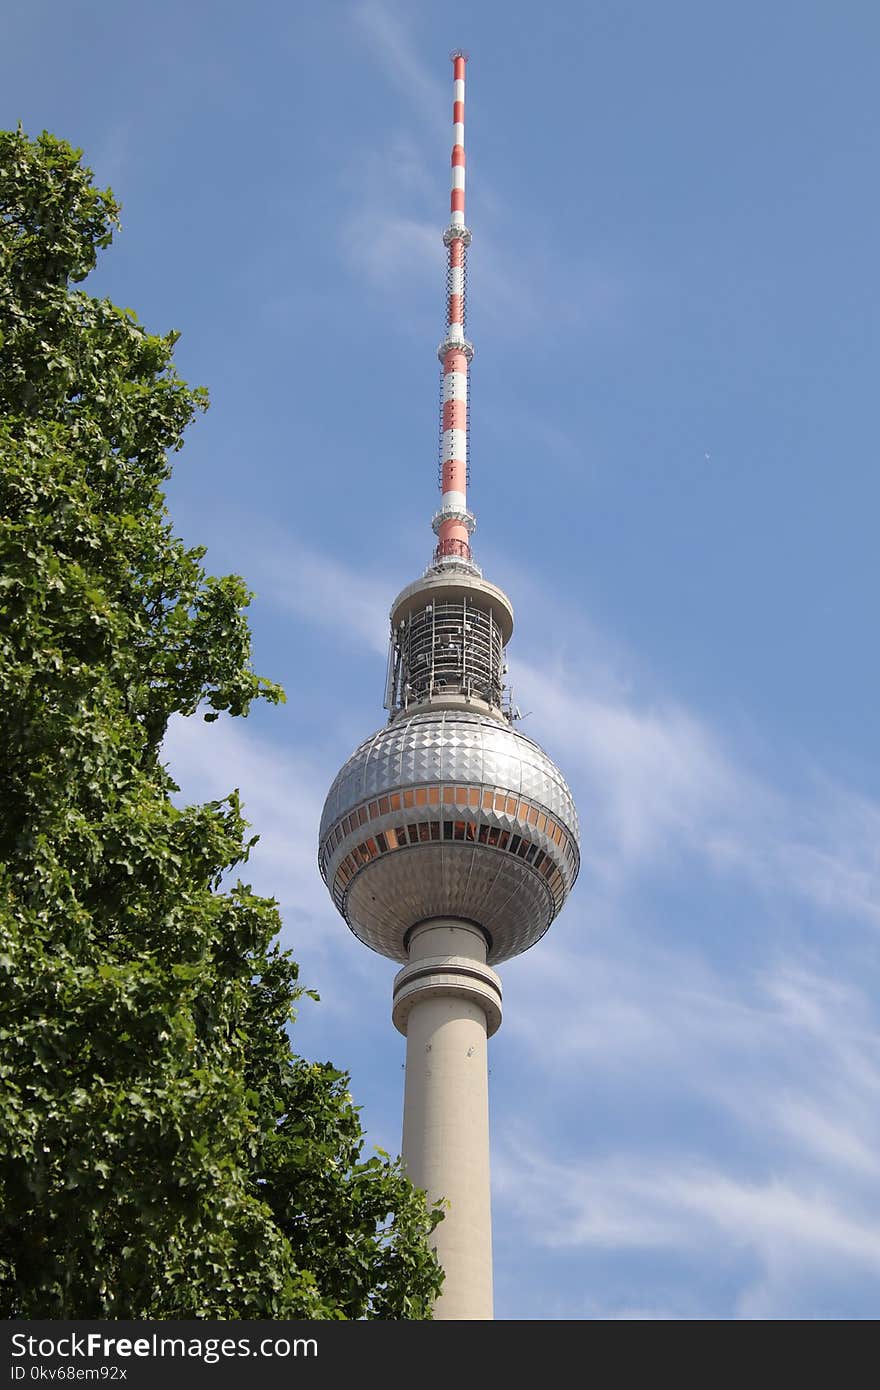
(449, 840)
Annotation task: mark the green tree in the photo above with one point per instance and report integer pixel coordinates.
(163, 1152)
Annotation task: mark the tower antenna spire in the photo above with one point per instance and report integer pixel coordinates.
(454, 523)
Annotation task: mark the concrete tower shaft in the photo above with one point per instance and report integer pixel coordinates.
(447, 1003)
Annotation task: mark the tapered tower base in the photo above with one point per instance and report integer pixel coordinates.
(448, 1003)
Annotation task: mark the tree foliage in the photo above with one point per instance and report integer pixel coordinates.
(163, 1153)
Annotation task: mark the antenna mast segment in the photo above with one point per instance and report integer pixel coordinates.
(453, 523)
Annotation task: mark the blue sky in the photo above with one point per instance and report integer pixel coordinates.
(673, 294)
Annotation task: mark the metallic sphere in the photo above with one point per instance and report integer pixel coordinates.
(449, 814)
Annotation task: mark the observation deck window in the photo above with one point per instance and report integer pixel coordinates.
(461, 822)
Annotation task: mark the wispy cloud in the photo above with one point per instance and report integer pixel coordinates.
(389, 39)
(653, 1204)
(752, 1094)
(656, 775)
(393, 230)
(394, 227)
(283, 794)
(659, 780)
(779, 1053)
(319, 589)
(391, 249)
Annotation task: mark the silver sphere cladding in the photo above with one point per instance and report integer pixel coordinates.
(449, 814)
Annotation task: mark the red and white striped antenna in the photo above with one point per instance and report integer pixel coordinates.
(453, 523)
